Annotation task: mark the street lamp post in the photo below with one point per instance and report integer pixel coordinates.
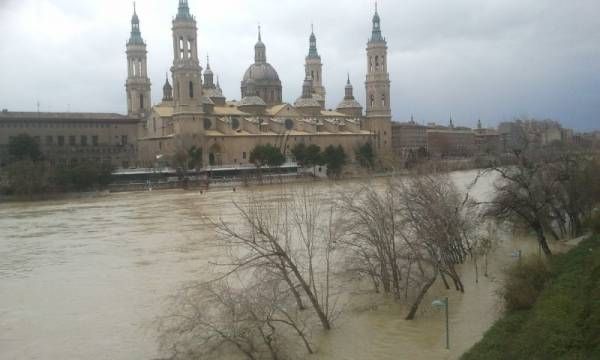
(444, 303)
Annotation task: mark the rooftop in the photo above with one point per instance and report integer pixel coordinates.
(62, 116)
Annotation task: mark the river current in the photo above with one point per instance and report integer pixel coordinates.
(86, 278)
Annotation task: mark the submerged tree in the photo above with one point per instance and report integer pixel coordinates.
(210, 320)
(404, 238)
(290, 238)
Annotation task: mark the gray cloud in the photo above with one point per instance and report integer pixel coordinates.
(494, 59)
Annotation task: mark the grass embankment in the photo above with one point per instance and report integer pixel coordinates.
(563, 322)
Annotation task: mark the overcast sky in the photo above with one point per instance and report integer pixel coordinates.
(488, 59)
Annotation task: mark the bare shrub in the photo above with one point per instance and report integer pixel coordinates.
(523, 282)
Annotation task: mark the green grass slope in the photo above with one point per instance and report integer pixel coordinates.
(563, 323)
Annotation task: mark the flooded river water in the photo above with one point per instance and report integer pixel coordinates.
(84, 279)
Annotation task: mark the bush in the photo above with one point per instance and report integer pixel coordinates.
(594, 222)
(524, 282)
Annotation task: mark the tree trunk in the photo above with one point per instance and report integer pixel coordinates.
(295, 292)
(419, 299)
(539, 231)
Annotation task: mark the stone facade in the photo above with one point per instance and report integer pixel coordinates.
(408, 138)
(69, 138)
(449, 142)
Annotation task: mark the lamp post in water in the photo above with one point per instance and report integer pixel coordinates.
(444, 303)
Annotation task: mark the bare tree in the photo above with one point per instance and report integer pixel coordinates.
(287, 237)
(371, 237)
(210, 320)
(438, 228)
(403, 238)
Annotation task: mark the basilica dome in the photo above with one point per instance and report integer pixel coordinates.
(261, 72)
(261, 78)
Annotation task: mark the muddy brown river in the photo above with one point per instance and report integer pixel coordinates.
(85, 278)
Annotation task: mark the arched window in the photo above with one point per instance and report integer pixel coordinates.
(142, 101)
(312, 74)
(376, 62)
(191, 90)
(383, 100)
(372, 101)
(370, 63)
(189, 48)
(181, 47)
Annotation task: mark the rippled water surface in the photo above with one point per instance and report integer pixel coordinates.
(84, 279)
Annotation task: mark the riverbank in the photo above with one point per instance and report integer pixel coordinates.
(563, 323)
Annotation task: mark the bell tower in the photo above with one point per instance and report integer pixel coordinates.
(314, 68)
(138, 84)
(378, 115)
(186, 69)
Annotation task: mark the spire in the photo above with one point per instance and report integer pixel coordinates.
(218, 84)
(136, 35)
(183, 12)
(208, 64)
(349, 90)
(260, 50)
(451, 122)
(376, 33)
(167, 89)
(312, 51)
(479, 124)
(208, 76)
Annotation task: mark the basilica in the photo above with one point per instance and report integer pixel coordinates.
(195, 113)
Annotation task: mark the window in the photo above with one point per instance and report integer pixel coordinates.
(123, 140)
(84, 140)
(372, 101)
(383, 100)
(61, 140)
(190, 48)
(244, 155)
(181, 49)
(72, 141)
(95, 140)
(376, 62)
(49, 140)
(191, 90)
(141, 101)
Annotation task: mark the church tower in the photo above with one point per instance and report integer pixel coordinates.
(138, 84)
(378, 115)
(314, 68)
(186, 69)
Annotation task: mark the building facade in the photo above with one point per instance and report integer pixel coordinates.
(66, 139)
(409, 138)
(226, 131)
(195, 114)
